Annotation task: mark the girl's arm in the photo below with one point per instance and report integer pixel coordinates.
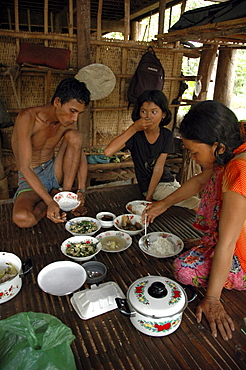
(230, 226)
(187, 190)
(119, 142)
(156, 175)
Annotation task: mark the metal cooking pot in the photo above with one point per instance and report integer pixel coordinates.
(11, 287)
(155, 305)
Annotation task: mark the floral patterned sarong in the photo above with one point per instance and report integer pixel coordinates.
(193, 267)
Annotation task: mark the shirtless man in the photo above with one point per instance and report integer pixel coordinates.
(36, 133)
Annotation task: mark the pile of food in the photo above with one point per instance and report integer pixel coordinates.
(83, 227)
(84, 249)
(113, 243)
(138, 209)
(162, 247)
(127, 225)
(7, 273)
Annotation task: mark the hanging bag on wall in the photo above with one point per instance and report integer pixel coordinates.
(149, 75)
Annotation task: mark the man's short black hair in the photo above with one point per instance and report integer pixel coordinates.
(71, 88)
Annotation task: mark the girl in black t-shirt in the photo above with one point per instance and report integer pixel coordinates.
(149, 143)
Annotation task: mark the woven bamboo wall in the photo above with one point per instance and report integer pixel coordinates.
(109, 116)
(104, 125)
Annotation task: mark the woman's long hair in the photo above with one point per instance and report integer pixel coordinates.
(209, 122)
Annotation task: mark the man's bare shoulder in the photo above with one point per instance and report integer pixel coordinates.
(29, 114)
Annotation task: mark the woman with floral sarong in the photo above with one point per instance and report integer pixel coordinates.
(211, 132)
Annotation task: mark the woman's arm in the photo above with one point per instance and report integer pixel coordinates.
(156, 175)
(232, 218)
(187, 190)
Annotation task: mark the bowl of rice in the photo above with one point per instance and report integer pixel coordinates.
(83, 226)
(136, 207)
(161, 244)
(81, 248)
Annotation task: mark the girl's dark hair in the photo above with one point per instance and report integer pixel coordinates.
(157, 97)
(209, 122)
(71, 88)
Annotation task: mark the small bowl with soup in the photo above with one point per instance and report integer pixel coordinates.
(106, 219)
(113, 241)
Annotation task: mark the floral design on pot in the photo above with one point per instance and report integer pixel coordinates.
(139, 291)
(158, 327)
(155, 305)
(9, 292)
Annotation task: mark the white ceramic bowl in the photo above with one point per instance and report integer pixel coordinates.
(102, 217)
(111, 234)
(136, 207)
(80, 239)
(67, 200)
(82, 222)
(133, 219)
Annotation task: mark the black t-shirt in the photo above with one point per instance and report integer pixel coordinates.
(145, 155)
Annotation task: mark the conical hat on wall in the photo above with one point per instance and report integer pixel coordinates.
(99, 79)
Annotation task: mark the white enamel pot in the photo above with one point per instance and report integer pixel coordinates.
(11, 287)
(155, 305)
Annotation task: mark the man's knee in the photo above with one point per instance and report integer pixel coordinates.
(24, 219)
(74, 138)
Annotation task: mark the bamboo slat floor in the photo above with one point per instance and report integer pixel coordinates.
(110, 341)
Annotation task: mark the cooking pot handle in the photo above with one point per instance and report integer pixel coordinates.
(123, 307)
(26, 267)
(193, 292)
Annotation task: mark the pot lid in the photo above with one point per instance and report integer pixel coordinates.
(157, 296)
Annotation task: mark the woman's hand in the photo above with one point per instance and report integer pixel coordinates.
(153, 210)
(217, 317)
(142, 124)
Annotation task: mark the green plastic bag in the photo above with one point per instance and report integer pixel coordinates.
(35, 341)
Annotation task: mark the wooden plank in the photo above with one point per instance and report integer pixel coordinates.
(83, 45)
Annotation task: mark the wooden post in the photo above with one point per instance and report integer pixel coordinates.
(70, 25)
(46, 20)
(205, 69)
(4, 192)
(162, 8)
(224, 82)
(83, 44)
(134, 31)
(99, 29)
(17, 28)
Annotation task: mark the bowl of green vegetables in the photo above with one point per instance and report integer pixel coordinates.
(83, 226)
(81, 248)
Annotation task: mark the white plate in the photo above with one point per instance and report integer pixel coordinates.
(61, 277)
(130, 206)
(125, 236)
(177, 243)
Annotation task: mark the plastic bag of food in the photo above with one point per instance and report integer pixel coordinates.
(34, 341)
